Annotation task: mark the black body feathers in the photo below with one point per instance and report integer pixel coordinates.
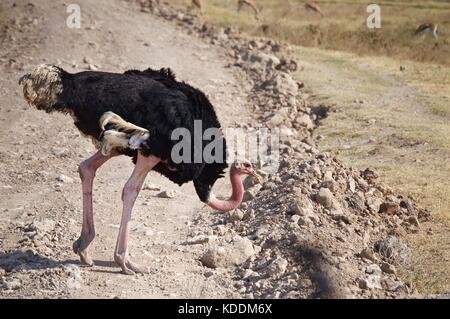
(153, 100)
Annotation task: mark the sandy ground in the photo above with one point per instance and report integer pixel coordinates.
(36, 148)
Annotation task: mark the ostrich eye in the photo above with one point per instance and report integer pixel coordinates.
(247, 165)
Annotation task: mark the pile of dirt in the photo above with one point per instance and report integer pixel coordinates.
(315, 228)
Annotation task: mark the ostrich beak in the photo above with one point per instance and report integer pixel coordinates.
(252, 173)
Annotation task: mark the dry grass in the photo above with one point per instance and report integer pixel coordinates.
(343, 26)
(408, 144)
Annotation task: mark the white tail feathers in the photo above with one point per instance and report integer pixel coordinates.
(118, 133)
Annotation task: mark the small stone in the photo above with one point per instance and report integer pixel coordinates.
(151, 187)
(13, 284)
(277, 266)
(351, 184)
(374, 204)
(305, 121)
(388, 268)
(368, 253)
(325, 197)
(304, 221)
(87, 60)
(167, 194)
(389, 207)
(92, 67)
(302, 207)
(370, 282)
(64, 179)
(201, 239)
(295, 218)
(250, 194)
(220, 230)
(227, 254)
(236, 215)
(394, 250)
(276, 120)
(373, 269)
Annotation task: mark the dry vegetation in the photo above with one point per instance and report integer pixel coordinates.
(343, 25)
(402, 127)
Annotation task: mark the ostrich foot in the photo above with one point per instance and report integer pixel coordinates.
(80, 248)
(129, 267)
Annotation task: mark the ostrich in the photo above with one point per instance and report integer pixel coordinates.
(198, 4)
(314, 8)
(133, 114)
(249, 3)
(428, 27)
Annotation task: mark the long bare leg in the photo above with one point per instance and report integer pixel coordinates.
(129, 195)
(87, 171)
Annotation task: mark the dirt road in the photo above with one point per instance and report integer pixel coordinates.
(37, 148)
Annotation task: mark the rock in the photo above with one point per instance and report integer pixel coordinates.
(391, 284)
(64, 179)
(351, 184)
(75, 280)
(41, 226)
(373, 269)
(236, 215)
(370, 175)
(151, 187)
(60, 152)
(276, 120)
(393, 250)
(250, 194)
(328, 176)
(368, 254)
(373, 203)
(304, 221)
(302, 207)
(388, 268)
(92, 67)
(259, 61)
(295, 218)
(370, 282)
(281, 83)
(325, 197)
(220, 230)
(12, 284)
(277, 267)
(167, 194)
(87, 60)
(305, 121)
(201, 239)
(247, 273)
(389, 207)
(228, 254)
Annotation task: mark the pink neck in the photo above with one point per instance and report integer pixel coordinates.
(236, 197)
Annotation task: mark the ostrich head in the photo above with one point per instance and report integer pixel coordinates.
(42, 87)
(244, 167)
